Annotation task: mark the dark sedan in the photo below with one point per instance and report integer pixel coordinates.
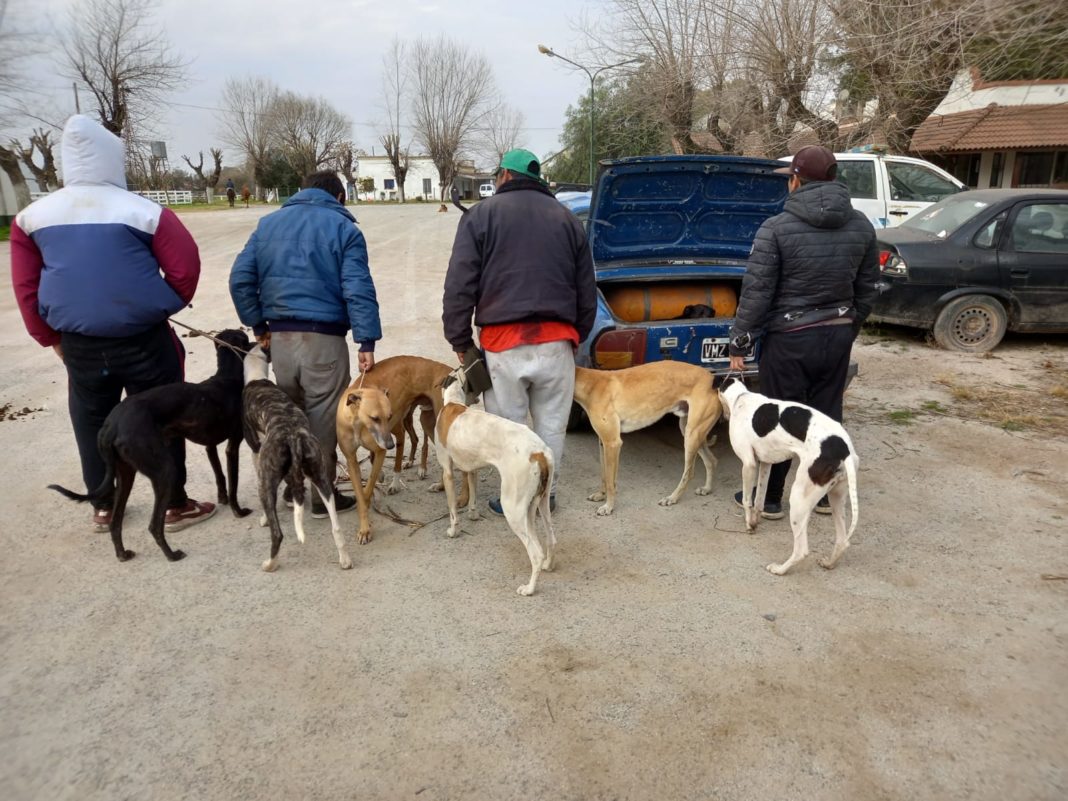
(975, 265)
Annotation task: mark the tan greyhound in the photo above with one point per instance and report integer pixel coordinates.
(363, 419)
(620, 401)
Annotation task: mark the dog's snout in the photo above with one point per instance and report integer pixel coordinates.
(388, 442)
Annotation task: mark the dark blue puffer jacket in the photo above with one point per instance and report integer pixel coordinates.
(307, 262)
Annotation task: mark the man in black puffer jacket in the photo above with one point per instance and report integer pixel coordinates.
(809, 285)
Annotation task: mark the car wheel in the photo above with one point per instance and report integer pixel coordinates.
(972, 323)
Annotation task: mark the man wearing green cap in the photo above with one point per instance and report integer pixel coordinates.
(521, 264)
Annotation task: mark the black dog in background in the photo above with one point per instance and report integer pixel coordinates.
(135, 436)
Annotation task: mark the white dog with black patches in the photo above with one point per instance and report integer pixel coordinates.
(765, 431)
(470, 439)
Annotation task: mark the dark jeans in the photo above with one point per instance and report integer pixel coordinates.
(98, 370)
(806, 367)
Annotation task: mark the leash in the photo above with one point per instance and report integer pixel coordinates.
(216, 340)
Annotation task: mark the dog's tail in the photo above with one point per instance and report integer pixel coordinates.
(106, 444)
(851, 476)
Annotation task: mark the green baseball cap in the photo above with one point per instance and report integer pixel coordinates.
(521, 162)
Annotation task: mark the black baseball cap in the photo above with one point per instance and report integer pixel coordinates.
(813, 163)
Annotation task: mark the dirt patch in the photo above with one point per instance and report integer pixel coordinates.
(8, 412)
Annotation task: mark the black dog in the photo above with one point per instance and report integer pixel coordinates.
(284, 448)
(135, 436)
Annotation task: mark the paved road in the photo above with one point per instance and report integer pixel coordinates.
(660, 661)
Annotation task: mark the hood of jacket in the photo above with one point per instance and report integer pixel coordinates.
(824, 204)
(91, 154)
(318, 197)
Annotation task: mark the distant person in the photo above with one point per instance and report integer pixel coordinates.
(97, 271)
(808, 287)
(302, 282)
(521, 263)
(231, 191)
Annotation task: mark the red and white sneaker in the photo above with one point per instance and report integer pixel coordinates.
(189, 515)
(101, 520)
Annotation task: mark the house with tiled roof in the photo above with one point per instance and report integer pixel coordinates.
(1000, 133)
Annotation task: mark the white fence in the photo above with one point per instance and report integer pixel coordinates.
(176, 197)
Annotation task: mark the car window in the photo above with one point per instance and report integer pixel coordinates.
(1041, 228)
(859, 178)
(988, 236)
(946, 216)
(918, 183)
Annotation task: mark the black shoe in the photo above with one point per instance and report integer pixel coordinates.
(495, 505)
(824, 506)
(772, 511)
(342, 503)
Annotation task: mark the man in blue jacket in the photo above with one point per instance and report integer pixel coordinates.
(302, 281)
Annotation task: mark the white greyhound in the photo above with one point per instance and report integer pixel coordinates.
(471, 439)
(765, 431)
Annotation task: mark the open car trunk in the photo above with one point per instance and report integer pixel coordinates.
(663, 301)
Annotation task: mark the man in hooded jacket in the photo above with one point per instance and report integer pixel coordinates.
(808, 287)
(97, 270)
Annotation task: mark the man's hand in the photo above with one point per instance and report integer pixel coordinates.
(460, 358)
(59, 351)
(737, 364)
(265, 340)
(366, 361)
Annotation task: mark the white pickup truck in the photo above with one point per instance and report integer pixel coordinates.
(890, 189)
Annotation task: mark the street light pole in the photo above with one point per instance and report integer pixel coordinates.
(548, 51)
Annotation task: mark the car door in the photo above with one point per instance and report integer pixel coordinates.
(1033, 259)
(913, 187)
(862, 179)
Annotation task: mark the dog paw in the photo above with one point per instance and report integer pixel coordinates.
(547, 566)
(526, 590)
(778, 570)
(826, 564)
(263, 521)
(345, 562)
(421, 472)
(668, 501)
(452, 532)
(406, 464)
(597, 496)
(437, 486)
(604, 511)
(242, 512)
(702, 491)
(363, 537)
(473, 513)
(177, 555)
(393, 488)
(126, 556)
(223, 499)
(270, 565)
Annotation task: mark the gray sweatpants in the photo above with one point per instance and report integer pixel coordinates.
(539, 380)
(313, 370)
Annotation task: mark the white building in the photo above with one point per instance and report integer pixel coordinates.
(421, 180)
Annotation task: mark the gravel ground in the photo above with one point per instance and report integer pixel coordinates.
(659, 661)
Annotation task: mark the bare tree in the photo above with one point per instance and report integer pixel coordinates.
(346, 163)
(211, 180)
(45, 173)
(308, 130)
(245, 122)
(116, 48)
(904, 54)
(395, 79)
(501, 131)
(452, 91)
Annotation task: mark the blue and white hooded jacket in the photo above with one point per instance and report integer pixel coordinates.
(93, 258)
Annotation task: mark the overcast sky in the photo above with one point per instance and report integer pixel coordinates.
(334, 48)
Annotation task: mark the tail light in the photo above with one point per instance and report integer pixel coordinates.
(620, 347)
(892, 264)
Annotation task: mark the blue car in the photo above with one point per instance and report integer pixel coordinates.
(670, 236)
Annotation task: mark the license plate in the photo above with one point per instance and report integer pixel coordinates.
(715, 349)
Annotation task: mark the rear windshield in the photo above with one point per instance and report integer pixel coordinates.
(947, 215)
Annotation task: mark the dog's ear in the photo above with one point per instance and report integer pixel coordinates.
(354, 398)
